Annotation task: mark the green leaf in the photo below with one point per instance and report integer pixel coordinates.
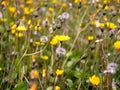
(69, 64)
(50, 88)
(1, 28)
(21, 86)
(77, 74)
(69, 82)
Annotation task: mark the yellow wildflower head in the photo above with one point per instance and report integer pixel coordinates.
(45, 57)
(76, 1)
(117, 45)
(0, 69)
(33, 86)
(20, 34)
(54, 42)
(106, 8)
(90, 38)
(29, 22)
(59, 72)
(3, 19)
(4, 2)
(92, 16)
(44, 73)
(95, 80)
(57, 88)
(34, 74)
(111, 25)
(13, 28)
(105, 18)
(28, 1)
(102, 25)
(34, 57)
(64, 5)
(62, 37)
(106, 1)
(12, 9)
(51, 9)
(54, 1)
(39, 43)
(21, 27)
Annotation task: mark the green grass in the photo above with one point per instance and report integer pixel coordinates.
(21, 51)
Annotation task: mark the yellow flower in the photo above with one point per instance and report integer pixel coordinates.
(76, 1)
(34, 74)
(54, 1)
(44, 57)
(111, 25)
(64, 5)
(31, 10)
(94, 80)
(59, 72)
(33, 86)
(18, 34)
(54, 42)
(14, 26)
(0, 69)
(37, 43)
(93, 22)
(28, 1)
(34, 57)
(3, 19)
(57, 88)
(106, 1)
(30, 26)
(62, 37)
(4, 2)
(106, 8)
(42, 43)
(44, 73)
(12, 9)
(49, 15)
(51, 9)
(29, 22)
(26, 10)
(102, 25)
(23, 18)
(105, 17)
(21, 28)
(92, 16)
(117, 45)
(90, 38)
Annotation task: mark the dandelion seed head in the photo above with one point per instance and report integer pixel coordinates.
(44, 39)
(65, 15)
(60, 51)
(35, 32)
(111, 68)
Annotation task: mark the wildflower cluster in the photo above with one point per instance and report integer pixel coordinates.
(59, 44)
(34, 75)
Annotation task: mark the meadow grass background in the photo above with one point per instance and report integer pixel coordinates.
(59, 44)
